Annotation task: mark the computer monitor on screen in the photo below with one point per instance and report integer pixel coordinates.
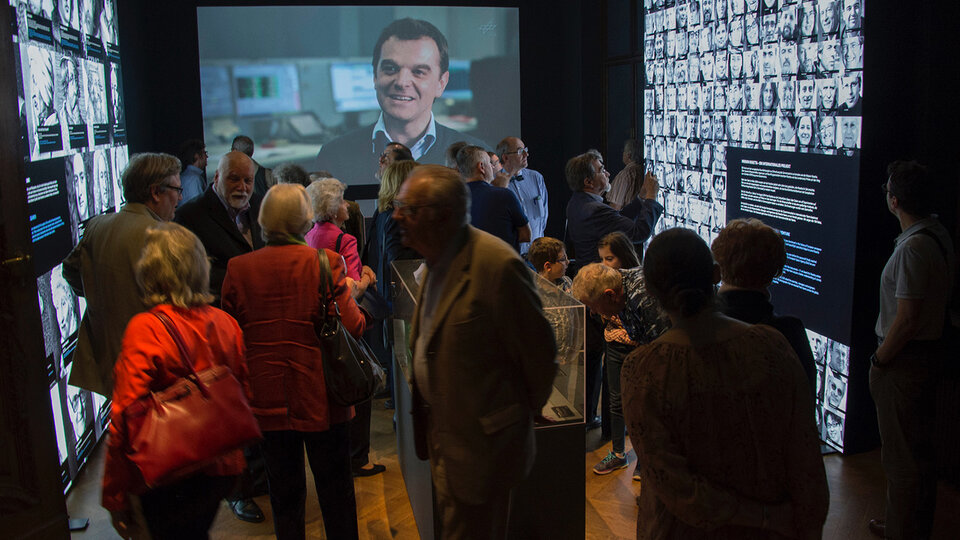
(352, 84)
(458, 87)
(216, 94)
(264, 89)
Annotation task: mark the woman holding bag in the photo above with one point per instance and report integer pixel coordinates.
(174, 275)
(274, 293)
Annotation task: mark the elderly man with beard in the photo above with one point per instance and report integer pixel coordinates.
(224, 217)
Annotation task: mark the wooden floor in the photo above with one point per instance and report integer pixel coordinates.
(856, 495)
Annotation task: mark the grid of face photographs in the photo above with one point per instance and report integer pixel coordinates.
(833, 370)
(71, 96)
(72, 123)
(781, 75)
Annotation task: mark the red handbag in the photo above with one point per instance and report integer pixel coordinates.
(187, 426)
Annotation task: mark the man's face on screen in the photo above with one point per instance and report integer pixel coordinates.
(848, 128)
(408, 78)
(828, 93)
(766, 129)
(827, 127)
(851, 90)
(806, 93)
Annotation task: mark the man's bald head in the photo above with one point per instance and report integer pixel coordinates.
(234, 179)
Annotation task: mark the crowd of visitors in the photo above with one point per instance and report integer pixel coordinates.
(686, 357)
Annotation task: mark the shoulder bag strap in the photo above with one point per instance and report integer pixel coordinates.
(337, 246)
(177, 338)
(927, 232)
(326, 282)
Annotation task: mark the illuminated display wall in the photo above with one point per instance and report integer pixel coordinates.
(73, 137)
(753, 109)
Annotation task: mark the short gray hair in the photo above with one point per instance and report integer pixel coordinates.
(593, 279)
(242, 143)
(326, 196)
(467, 159)
(173, 267)
(144, 171)
(285, 211)
(580, 168)
(291, 173)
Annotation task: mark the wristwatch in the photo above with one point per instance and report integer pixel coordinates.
(874, 361)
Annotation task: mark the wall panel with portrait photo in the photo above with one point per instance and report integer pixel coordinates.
(780, 81)
(74, 147)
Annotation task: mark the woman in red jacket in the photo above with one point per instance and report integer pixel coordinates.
(274, 294)
(174, 275)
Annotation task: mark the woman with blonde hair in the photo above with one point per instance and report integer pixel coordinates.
(274, 293)
(174, 275)
(384, 245)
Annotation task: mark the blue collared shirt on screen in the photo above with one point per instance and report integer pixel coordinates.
(529, 187)
(418, 149)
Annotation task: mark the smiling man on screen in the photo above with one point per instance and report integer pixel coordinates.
(410, 65)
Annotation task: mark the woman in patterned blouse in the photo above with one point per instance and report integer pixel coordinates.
(721, 413)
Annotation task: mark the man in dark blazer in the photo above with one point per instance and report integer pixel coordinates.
(474, 406)
(410, 71)
(224, 216)
(588, 220)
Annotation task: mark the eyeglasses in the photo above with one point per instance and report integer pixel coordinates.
(886, 190)
(408, 209)
(518, 151)
(179, 190)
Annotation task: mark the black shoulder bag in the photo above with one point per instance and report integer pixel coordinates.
(349, 367)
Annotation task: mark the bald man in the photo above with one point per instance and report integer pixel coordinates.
(526, 184)
(225, 215)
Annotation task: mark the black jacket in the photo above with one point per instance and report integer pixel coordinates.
(206, 216)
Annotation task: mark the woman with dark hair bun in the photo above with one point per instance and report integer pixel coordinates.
(721, 413)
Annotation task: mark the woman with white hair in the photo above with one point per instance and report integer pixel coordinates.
(331, 211)
(173, 274)
(274, 293)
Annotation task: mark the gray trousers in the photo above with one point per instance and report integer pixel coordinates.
(905, 395)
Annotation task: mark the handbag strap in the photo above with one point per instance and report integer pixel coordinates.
(178, 339)
(337, 245)
(326, 283)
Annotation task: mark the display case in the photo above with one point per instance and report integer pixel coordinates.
(556, 480)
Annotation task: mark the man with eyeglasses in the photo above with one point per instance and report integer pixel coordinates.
(193, 178)
(101, 267)
(410, 71)
(393, 153)
(526, 184)
(914, 289)
(473, 406)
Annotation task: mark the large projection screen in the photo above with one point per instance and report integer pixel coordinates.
(73, 136)
(314, 88)
(753, 109)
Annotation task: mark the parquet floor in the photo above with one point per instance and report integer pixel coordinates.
(856, 495)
